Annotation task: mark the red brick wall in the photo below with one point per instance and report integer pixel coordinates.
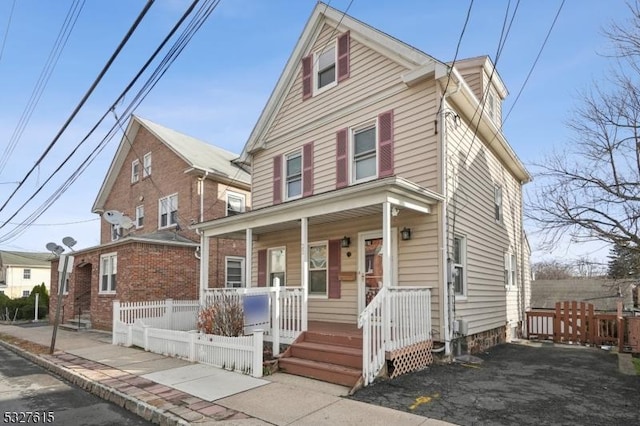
(145, 272)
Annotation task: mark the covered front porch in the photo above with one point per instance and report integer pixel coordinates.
(366, 256)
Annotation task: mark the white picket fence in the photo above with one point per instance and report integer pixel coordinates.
(242, 354)
(287, 315)
(169, 328)
(168, 314)
(397, 317)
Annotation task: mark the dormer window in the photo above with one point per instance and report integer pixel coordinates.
(325, 69)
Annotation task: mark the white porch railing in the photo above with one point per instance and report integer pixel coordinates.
(242, 354)
(397, 317)
(286, 316)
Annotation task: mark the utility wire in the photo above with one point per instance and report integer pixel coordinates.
(43, 79)
(6, 32)
(83, 100)
(455, 56)
(195, 24)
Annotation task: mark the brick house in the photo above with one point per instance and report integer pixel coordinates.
(162, 181)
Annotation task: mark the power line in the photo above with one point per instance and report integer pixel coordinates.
(6, 32)
(84, 98)
(455, 56)
(50, 64)
(57, 224)
(200, 16)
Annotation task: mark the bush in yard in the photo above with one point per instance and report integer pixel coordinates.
(224, 317)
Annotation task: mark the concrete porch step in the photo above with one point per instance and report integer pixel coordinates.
(332, 373)
(76, 325)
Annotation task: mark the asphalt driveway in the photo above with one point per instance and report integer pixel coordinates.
(518, 385)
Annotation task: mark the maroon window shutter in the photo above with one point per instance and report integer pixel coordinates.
(385, 143)
(344, 51)
(307, 169)
(262, 268)
(334, 269)
(277, 179)
(307, 76)
(342, 164)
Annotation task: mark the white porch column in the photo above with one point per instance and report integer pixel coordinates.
(248, 257)
(304, 250)
(204, 265)
(386, 244)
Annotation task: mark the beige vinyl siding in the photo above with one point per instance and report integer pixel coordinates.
(473, 78)
(473, 171)
(415, 142)
(417, 266)
(367, 67)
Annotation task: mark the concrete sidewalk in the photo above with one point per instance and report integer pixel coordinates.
(171, 391)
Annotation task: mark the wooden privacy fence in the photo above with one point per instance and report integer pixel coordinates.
(576, 322)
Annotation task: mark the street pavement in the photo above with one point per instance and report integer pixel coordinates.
(520, 384)
(171, 391)
(30, 393)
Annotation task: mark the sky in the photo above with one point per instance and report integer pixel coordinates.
(216, 89)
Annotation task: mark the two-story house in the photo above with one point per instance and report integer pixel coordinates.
(21, 271)
(377, 168)
(159, 182)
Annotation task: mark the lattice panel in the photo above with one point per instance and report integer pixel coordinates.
(411, 358)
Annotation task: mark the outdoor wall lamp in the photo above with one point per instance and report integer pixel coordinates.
(345, 242)
(405, 234)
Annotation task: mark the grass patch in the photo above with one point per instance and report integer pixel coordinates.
(636, 364)
(28, 346)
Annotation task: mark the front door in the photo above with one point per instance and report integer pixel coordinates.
(370, 263)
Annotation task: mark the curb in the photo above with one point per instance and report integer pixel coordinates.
(142, 409)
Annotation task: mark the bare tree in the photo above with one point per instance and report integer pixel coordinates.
(552, 270)
(592, 191)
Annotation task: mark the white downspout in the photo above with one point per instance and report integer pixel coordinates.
(448, 311)
(201, 190)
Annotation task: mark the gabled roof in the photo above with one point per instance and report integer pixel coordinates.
(22, 258)
(414, 59)
(603, 293)
(198, 155)
(484, 62)
(419, 67)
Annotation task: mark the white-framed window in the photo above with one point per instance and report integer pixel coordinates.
(147, 165)
(25, 293)
(364, 155)
(318, 267)
(116, 230)
(459, 265)
(139, 216)
(235, 203)
(234, 271)
(135, 171)
(277, 259)
(497, 203)
(26, 274)
(324, 69)
(108, 272)
(491, 106)
(168, 211)
(510, 268)
(293, 175)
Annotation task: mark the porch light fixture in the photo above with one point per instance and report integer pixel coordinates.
(405, 234)
(345, 242)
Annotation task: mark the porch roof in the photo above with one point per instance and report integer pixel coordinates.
(343, 204)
